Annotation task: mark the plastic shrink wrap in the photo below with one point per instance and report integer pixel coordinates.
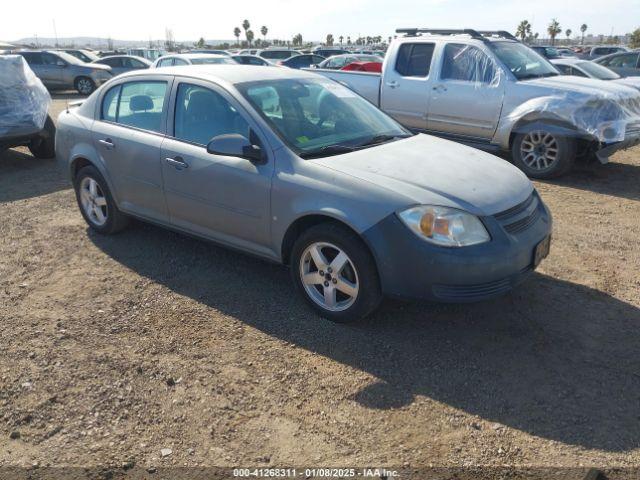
(24, 100)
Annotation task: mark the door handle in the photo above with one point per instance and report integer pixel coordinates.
(393, 84)
(440, 88)
(177, 162)
(108, 143)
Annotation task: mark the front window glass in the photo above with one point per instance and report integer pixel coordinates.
(522, 61)
(141, 105)
(467, 64)
(313, 115)
(202, 114)
(598, 71)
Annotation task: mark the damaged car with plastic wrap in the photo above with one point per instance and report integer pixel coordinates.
(297, 169)
(490, 91)
(24, 105)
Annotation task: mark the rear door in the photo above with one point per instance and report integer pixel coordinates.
(466, 97)
(404, 89)
(128, 136)
(225, 198)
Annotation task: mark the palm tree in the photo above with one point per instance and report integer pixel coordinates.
(523, 30)
(264, 30)
(348, 40)
(249, 35)
(583, 28)
(329, 39)
(246, 25)
(553, 29)
(236, 33)
(568, 33)
(341, 38)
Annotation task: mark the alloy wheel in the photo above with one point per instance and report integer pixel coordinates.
(539, 150)
(329, 276)
(85, 86)
(94, 202)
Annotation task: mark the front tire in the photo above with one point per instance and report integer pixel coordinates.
(84, 85)
(335, 273)
(96, 203)
(541, 153)
(44, 145)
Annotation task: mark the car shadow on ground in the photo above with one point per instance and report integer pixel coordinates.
(555, 359)
(615, 179)
(24, 176)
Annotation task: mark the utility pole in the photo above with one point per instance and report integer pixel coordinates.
(55, 32)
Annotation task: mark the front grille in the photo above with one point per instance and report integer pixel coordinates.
(469, 293)
(519, 218)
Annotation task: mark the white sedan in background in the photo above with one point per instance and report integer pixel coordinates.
(589, 69)
(192, 59)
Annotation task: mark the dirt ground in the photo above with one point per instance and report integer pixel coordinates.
(114, 348)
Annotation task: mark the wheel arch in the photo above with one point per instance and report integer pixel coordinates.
(306, 221)
(535, 120)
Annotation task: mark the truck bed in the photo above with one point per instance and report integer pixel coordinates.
(366, 84)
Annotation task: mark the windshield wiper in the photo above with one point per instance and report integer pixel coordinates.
(378, 139)
(327, 151)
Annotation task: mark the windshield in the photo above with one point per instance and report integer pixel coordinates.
(598, 71)
(522, 61)
(211, 60)
(70, 58)
(319, 116)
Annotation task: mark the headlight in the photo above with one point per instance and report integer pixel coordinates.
(448, 227)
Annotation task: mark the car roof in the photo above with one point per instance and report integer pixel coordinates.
(194, 55)
(225, 73)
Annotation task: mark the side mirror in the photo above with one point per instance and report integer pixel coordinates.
(235, 145)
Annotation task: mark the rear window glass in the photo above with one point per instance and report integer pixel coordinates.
(414, 59)
(136, 104)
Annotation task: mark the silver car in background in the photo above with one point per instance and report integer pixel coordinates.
(180, 59)
(295, 168)
(59, 70)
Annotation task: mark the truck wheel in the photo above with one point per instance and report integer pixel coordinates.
(335, 273)
(44, 145)
(84, 85)
(543, 154)
(96, 203)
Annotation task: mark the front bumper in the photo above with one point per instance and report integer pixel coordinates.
(607, 150)
(410, 267)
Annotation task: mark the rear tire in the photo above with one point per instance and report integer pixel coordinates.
(44, 146)
(335, 272)
(96, 203)
(540, 153)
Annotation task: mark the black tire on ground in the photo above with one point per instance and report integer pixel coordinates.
(565, 152)
(369, 293)
(84, 85)
(116, 220)
(44, 146)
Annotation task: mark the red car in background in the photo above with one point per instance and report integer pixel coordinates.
(364, 67)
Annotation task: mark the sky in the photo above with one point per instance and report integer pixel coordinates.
(192, 19)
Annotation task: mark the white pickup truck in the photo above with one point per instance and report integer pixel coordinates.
(487, 89)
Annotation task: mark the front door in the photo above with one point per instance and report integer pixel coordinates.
(224, 198)
(466, 98)
(128, 138)
(404, 93)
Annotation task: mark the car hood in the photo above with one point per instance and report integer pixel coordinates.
(430, 170)
(628, 81)
(96, 66)
(583, 85)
